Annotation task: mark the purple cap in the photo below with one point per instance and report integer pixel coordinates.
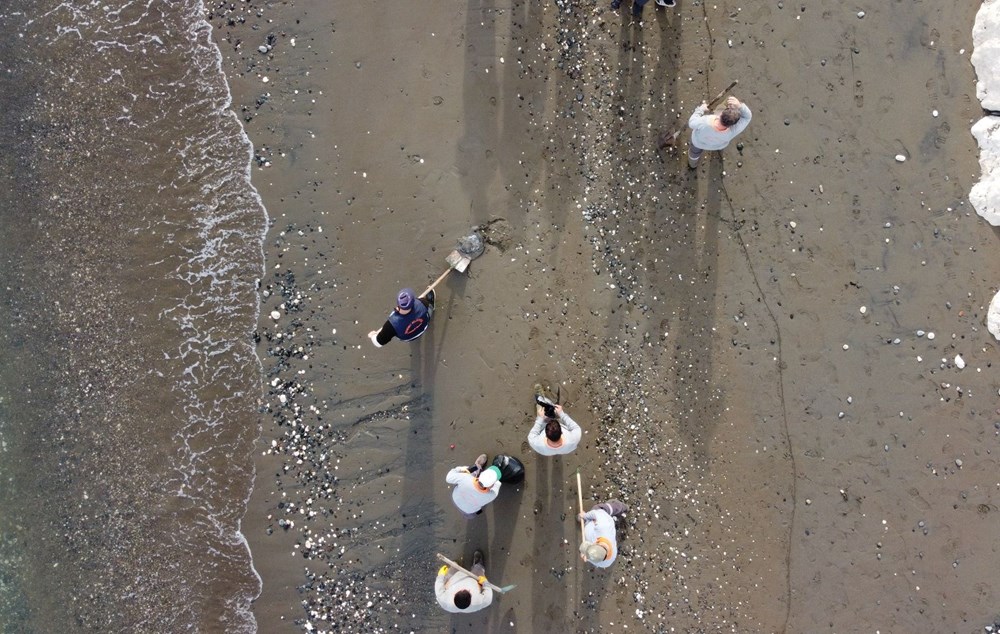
(405, 299)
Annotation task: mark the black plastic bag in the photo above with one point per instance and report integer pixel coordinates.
(511, 469)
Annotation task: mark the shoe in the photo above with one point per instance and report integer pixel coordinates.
(481, 461)
(477, 558)
(667, 3)
(615, 4)
(430, 297)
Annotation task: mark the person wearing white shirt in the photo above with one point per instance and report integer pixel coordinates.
(556, 435)
(458, 592)
(475, 487)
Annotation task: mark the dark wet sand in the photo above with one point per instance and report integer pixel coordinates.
(789, 465)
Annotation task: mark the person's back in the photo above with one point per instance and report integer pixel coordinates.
(710, 132)
(554, 436)
(458, 592)
(472, 492)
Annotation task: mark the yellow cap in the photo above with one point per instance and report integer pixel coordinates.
(444, 570)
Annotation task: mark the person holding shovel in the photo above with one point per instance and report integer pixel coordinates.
(475, 486)
(713, 132)
(554, 432)
(460, 591)
(599, 546)
(408, 321)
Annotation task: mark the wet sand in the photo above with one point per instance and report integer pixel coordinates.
(790, 462)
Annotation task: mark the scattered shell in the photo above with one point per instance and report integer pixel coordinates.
(959, 362)
(861, 14)
(930, 335)
(863, 310)
(275, 315)
(900, 158)
(934, 113)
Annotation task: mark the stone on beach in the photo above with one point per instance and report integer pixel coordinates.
(993, 317)
(985, 195)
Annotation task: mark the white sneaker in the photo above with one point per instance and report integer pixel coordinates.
(667, 3)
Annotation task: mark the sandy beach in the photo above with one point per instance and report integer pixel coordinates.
(779, 360)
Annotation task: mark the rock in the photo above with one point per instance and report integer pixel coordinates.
(275, 315)
(986, 55)
(985, 194)
(993, 317)
(900, 158)
(262, 48)
(959, 362)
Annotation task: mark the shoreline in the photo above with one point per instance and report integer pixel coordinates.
(731, 298)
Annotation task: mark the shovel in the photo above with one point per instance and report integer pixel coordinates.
(668, 139)
(469, 248)
(489, 585)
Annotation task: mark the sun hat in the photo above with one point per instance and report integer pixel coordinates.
(592, 552)
(405, 299)
(489, 477)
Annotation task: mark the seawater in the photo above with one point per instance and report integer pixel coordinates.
(130, 249)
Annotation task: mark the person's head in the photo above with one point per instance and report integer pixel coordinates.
(729, 116)
(463, 599)
(553, 430)
(405, 299)
(592, 552)
(488, 477)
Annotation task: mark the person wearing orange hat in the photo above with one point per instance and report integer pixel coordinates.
(475, 486)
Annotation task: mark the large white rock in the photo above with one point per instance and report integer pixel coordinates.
(986, 54)
(985, 195)
(993, 317)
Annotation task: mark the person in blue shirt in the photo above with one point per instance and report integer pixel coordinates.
(408, 321)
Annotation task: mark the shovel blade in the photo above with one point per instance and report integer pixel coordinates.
(458, 261)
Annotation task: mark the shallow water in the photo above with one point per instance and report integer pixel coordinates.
(129, 384)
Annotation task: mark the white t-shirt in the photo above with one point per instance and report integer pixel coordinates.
(570, 437)
(468, 495)
(598, 523)
(446, 586)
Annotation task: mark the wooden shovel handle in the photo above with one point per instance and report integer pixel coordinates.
(711, 104)
(461, 569)
(435, 283)
(579, 496)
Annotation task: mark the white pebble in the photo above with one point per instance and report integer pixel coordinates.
(959, 362)
(930, 335)
(958, 462)
(265, 79)
(934, 113)
(861, 14)
(900, 158)
(275, 315)
(846, 346)
(863, 309)
(792, 224)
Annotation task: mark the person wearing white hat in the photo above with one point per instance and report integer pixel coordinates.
(599, 547)
(475, 486)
